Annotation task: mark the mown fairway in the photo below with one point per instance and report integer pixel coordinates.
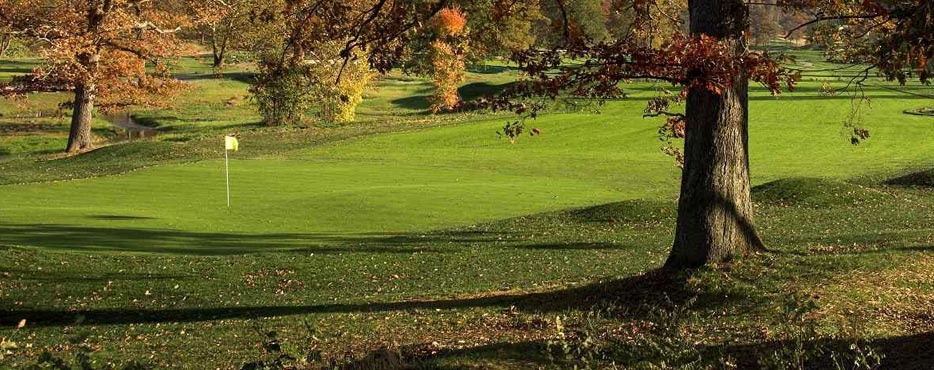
(425, 230)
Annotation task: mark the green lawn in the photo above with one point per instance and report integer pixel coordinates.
(430, 236)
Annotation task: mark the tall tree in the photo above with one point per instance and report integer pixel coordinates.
(715, 212)
(765, 22)
(226, 24)
(713, 68)
(506, 26)
(99, 50)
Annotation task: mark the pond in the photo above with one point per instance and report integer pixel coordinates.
(125, 126)
(128, 129)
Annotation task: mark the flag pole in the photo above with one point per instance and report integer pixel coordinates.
(227, 171)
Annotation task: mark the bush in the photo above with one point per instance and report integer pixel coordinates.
(286, 90)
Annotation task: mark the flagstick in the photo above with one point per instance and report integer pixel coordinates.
(227, 171)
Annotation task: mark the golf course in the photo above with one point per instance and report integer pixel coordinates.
(413, 240)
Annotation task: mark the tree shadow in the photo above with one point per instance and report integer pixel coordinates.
(630, 297)
(169, 241)
(72, 277)
(413, 102)
(119, 217)
(477, 90)
(920, 179)
(906, 352)
(245, 77)
(488, 69)
(576, 246)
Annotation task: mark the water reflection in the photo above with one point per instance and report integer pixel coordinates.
(128, 128)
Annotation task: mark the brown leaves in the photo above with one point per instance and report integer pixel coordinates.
(107, 48)
(700, 62)
(276, 280)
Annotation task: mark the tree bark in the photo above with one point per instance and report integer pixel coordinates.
(219, 45)
(216, 51)
(218, 61)
(5, 41)
(79, 137)
(715, 213)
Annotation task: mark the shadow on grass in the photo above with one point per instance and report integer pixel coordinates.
(907, 352)
(482, 89)
(467, 92)
(629, 296)
(414, 102)
(575, 246)
(65, 277)
(129, 239)
(488, 69)
(119, 217)
(922, 179)
(245, 77)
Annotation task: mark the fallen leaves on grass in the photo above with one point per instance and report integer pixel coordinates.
(898, 297)
(276, 280)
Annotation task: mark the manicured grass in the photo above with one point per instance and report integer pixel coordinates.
(430, 236)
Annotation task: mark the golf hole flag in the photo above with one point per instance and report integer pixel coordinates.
(230, 143)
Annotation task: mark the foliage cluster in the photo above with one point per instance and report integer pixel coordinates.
(447, 59)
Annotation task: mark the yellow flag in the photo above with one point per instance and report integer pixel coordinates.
(231, 143)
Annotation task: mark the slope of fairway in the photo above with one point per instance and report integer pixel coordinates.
(293, 204)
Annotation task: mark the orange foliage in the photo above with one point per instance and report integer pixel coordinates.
(447, 60)
(448, 71)
(451, 21)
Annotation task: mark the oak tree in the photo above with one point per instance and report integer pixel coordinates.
(712, 66)
(109, 53)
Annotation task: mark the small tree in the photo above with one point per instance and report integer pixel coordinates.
(286, 92)
(338, 101)
(6, 40)
(447, 58)
(335, 47)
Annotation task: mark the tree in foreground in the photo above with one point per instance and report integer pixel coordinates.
(99, 50)
(712, 66)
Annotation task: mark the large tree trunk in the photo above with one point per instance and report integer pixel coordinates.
(715, 213)
(79, 138)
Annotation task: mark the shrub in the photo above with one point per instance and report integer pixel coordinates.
(285, 91)
(448, 72)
